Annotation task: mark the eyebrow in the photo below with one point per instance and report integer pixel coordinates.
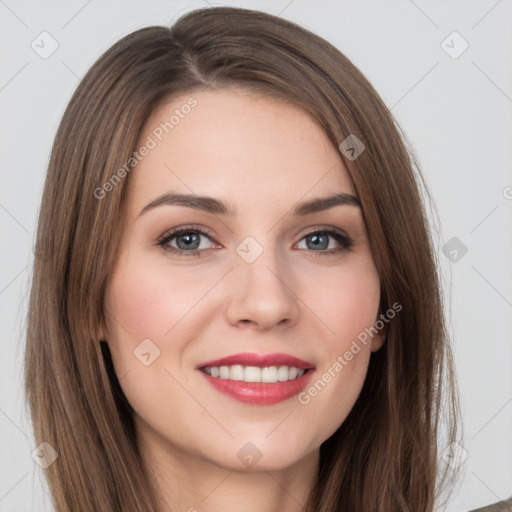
(219, 207)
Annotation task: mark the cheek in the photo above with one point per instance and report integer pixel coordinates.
(135, 303)
(346, 302)
(147, 301)
(348, 307)
(137, 306)
(141, 307)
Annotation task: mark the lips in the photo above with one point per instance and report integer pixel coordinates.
(258, 393)
(259, 360)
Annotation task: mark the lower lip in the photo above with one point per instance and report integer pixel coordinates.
(259, 393)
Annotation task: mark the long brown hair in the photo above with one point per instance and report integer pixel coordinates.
(384, 457)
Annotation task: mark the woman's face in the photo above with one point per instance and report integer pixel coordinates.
(265, 283)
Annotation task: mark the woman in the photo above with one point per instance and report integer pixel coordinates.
(242, 307)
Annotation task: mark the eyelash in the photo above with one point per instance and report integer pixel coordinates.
(346, 243)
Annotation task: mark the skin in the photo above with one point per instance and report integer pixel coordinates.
(263, 156)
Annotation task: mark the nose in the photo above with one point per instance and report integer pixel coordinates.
(260, 294)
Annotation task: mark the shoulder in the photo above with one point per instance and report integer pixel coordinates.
(501, 506)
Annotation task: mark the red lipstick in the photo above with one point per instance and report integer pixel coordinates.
(259, 393)
(260, 360)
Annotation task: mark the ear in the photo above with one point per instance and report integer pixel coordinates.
(379, 339)
(101, 331)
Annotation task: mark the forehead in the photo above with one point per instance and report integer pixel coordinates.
(235, 144)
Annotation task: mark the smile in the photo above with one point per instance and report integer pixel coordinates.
(258, 379)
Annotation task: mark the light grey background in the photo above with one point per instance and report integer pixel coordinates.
(455, 111)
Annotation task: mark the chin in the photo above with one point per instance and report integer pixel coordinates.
(261, 455)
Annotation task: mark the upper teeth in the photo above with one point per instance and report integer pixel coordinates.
(254, 373)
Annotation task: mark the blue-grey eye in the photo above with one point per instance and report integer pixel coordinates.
(318, 240)
(190, 240)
